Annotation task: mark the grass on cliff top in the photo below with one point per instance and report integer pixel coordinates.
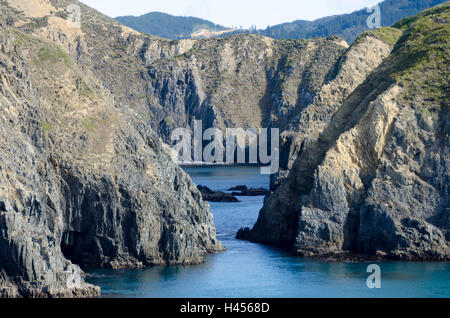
(388, 35)
(421, 59)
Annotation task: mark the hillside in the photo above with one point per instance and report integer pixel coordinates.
(171, 27)
(240, 81)
(348, 26)
(369, 159)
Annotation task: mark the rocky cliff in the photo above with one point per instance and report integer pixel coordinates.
(242, 81)
(368, 165)
(239, 81)
(83, 178)
(86, 180)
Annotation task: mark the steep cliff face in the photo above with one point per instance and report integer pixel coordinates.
(370, 173)
(242, 81)
(83, 179)
(352, 70)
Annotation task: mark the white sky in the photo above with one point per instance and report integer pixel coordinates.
(234, 12)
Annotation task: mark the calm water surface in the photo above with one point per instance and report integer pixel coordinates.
(254, 270)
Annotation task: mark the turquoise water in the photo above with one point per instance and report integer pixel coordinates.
(258, 271)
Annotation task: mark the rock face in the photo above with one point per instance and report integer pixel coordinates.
(368, 165)
(83, 179)
(354, 67)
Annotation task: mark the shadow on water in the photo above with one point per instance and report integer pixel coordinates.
(254, 270)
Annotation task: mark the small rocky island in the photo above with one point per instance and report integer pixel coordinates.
(220, 196)
(243, 190)
(216, 196)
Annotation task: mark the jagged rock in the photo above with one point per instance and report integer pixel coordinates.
(242, 233)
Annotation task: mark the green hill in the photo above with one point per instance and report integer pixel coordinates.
(348, 26)
(168, 26)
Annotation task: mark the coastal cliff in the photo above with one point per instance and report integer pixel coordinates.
(368, 165)
(83, 179)
(86, 178)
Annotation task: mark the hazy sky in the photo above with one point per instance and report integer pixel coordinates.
(234, 12)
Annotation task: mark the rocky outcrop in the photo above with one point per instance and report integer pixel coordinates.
(83, 180)
(243, 190)
(215, 196)
(371, 172)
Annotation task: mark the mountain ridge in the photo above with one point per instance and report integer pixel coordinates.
(350, 25)
(347, 26)
(169, 26)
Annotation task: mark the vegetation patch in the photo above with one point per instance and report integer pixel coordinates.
(388, 35)
(421, 60)
(62, 15)
(169, 122)
(45, 126)
(54, 54)
(86, 91)
(90, 123)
